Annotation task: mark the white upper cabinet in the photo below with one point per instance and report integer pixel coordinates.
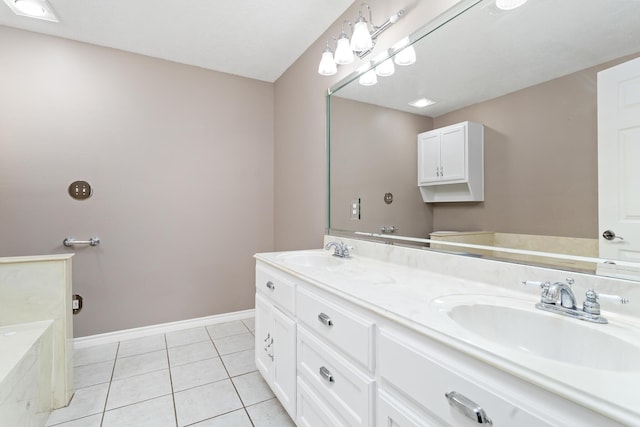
(451, 163)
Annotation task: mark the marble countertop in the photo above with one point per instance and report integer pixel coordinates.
(420, 299)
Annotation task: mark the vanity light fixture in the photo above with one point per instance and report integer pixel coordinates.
(363, 37)
(509, 4)
(39, 9)
(422, 102)
(327, 66)
(385, 68)
(406, 54)
(368, 79)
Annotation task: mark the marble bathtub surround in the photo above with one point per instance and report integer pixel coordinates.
(39, 288)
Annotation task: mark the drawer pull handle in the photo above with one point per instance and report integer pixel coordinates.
(325, 319)
(468, 407)
(326, 374)
(270, 285)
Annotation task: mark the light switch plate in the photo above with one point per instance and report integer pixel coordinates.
(354, 209)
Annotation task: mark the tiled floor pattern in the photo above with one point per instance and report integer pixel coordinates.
(201, 377)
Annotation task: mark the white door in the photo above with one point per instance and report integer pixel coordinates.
(453, 155)
(284, 368)
(264, 337)
(619, 162)
(429, 157)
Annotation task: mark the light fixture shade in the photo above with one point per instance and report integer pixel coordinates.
(385, 68)
(361, 38)
(327, 65)
(344, 54)
(406, 56)
(368, 79)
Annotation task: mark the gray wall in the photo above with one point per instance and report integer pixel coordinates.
(181, 160)
(373, 152)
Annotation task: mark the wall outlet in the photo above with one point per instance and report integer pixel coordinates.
(354, 209)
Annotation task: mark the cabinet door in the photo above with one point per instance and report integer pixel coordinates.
(428, 157)
(263, 336)
(453, 154)
(284, 362)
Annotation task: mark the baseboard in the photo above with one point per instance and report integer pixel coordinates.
(162, 328)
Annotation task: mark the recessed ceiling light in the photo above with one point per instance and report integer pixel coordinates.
(38, 9)
(422, 102)
(509, 4)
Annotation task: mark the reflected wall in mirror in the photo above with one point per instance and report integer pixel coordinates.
(529, 75)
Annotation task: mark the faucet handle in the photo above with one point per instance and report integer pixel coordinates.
(591, 304)
(535, 283)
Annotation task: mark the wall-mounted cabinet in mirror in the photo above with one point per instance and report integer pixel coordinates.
(529, 76)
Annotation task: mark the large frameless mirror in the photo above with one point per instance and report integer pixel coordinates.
(530, 76)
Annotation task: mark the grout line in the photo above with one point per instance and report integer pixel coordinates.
(173, 395)
(113, 370)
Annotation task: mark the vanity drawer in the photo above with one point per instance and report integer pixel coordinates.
(312, 412)
(423, 379)
(345, 387)
(338, 325)
(276, 286)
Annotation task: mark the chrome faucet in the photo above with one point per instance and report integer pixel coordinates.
(341, 250)
(559, 292)
(558, 297)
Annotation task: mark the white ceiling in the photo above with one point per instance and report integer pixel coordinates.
(258, 39)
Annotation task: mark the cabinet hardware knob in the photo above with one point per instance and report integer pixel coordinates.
(270, 285)
(326, 374)
(467, 407)
(325, 319)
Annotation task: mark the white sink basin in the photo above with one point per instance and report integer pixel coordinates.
(312, 259)
(512, 324)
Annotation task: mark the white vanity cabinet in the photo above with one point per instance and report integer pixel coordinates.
(275, 334)
(334, 362)
(451, 163)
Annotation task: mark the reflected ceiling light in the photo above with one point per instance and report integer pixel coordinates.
(422, 102)
(368, 79)
(327, 66)
(363, 37)
(39, 9)
(385, 68)
(509, 4)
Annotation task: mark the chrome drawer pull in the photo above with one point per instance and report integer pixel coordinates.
(325, 319)
(468, 408)
(270, 285)
(326, 374)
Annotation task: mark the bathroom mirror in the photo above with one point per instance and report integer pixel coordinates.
(529, 75)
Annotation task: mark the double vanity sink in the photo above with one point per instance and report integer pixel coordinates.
(595, 365)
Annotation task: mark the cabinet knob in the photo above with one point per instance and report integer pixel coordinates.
(270, 285)
(467, 407)
(326, 374)
(325, 319)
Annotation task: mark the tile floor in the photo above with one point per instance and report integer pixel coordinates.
(201, 377)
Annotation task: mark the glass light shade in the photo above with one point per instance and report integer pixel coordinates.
(327, 65)
(344, 54)
(361, 39)
(406, 56)
(509, 4)
(385, 68)
(368, 79)
(30, 8)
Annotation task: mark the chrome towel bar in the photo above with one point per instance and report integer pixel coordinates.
(71, 242)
